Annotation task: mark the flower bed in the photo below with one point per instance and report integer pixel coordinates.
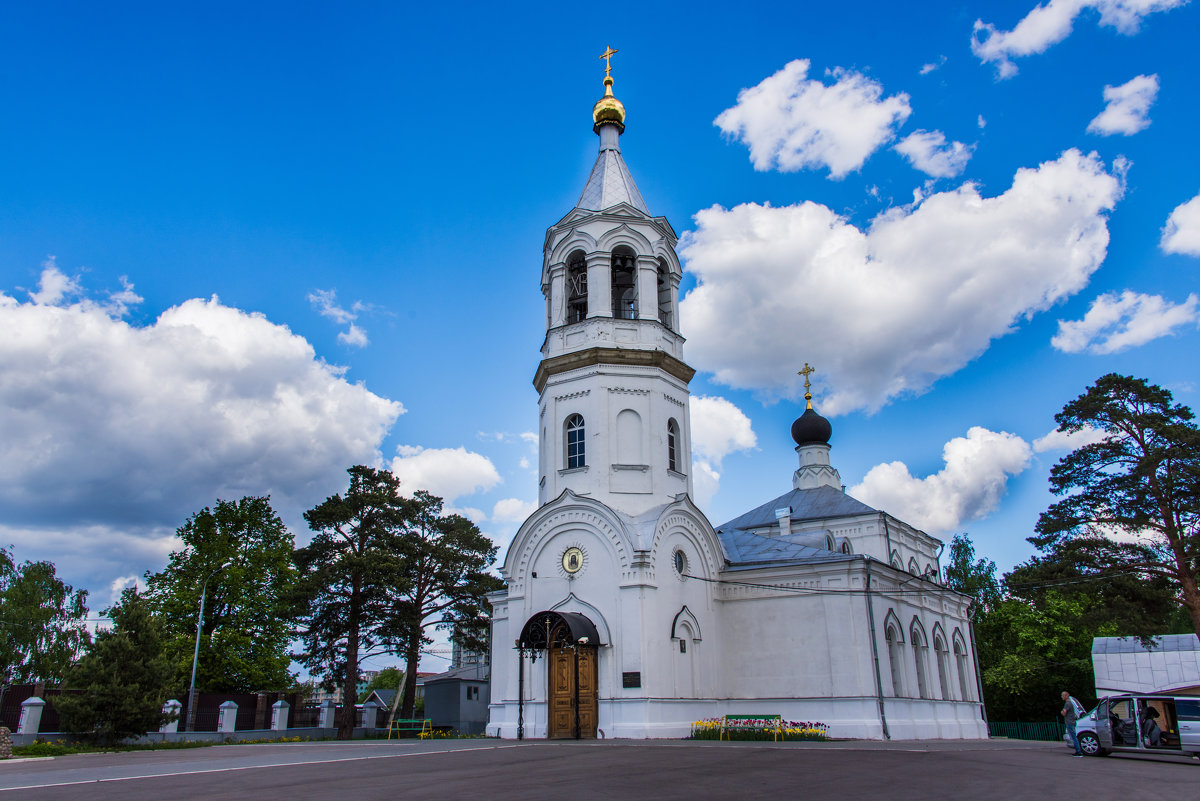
(758, 729)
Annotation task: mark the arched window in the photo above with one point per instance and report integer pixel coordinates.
(920, 657)
(664, 295)
(846, 548)
(960, 659)
(577, 288)
(576, 457)
(912, 567)
(672, 445)
(624, 284)
(895, 644)
(943, 663)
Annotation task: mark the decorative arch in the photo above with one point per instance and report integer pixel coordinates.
(685, 618)
(684, 517)
(573, 604)
(567, 511)
(830, 542)
(627, 236)
(895, 560)
(665, 253)
(912, 566)
(578, 240)
(890, 621)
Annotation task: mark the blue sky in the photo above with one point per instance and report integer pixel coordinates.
(242, 248)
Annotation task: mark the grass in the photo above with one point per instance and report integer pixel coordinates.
(43, 748)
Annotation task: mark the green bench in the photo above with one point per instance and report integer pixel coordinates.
(422, 725)
(774, 724)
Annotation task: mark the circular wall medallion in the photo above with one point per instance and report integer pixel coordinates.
(572, 560)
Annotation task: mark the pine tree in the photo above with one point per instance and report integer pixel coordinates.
(124, 678)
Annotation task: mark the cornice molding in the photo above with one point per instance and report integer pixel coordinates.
(613, 356)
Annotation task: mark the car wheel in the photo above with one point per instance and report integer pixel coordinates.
(1089, 745)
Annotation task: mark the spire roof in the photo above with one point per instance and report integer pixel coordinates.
(610, 183)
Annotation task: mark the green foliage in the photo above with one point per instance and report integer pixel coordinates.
(387, 679)
(1141, 483)
(443, 584)
(1029, 654)
(246, 631)
(124, 676)
(42, 622)
(347, 577)
(969, 576)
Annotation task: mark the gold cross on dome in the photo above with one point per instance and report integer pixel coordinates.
(806, 372)
(607, 56)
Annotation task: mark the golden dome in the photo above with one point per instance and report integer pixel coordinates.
(608, 109)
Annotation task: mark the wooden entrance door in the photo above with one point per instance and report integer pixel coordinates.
(562, 692)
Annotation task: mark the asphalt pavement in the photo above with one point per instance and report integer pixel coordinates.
(617, 769)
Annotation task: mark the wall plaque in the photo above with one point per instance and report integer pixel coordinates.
(631, 679)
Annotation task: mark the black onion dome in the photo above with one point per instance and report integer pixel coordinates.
(811, 428)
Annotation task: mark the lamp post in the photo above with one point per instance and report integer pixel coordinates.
(191, 721)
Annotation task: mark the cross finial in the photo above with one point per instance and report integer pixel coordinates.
(806, 372)
(607, 56)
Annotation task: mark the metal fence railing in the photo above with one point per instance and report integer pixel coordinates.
(1051, 731)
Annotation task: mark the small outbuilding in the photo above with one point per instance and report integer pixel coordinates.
(459, 698)
(1171, 665)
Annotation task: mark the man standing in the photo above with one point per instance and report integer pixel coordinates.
(1070, 713)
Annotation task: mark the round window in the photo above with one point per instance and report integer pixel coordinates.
(680, 563)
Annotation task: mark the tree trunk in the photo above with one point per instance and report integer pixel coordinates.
(350, 679)
(1191, 597)
(412, 659)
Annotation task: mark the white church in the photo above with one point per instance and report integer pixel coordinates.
(626, 613)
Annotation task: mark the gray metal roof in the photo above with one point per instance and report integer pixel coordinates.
(806, 504)
(1131, 645)
(609, 184)
(746, 549)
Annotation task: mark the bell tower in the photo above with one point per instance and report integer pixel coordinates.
(612, 384)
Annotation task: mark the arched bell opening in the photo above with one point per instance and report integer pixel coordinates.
(569, 641)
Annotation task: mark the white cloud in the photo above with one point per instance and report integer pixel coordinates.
(1116, 322)
(932, 66)
(103, 422)
(512, 510)
(1049, 24)
(354, 336)
(1182, 231)
(325, 302)
(449, 473)
(929, 153)
(981, 122)
(974, 479)
(1128, 107)
(1058, 440)
(891, 309)
(122, 583)
(791, 122)
(718, 429)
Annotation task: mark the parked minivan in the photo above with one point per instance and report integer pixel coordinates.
(1144, 724)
